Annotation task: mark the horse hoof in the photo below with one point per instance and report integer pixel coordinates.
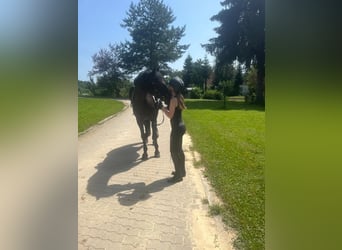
(157, 154)
(144, 157)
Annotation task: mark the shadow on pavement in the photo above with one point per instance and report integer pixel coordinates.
(120, 160)
(141, 191)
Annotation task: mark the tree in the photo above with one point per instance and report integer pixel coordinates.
(155, 42)
(206, 71)
(222, 73)
(108, 69)
(107, 62)
(188, 71)
(251, 78)
(83, 88)
(92, 86)
(238, 81)
(197, 73)
(241, 36)
(201, 71)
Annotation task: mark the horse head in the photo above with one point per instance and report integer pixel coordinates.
(152, 82)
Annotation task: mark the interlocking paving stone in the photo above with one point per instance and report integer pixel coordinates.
(126, 203)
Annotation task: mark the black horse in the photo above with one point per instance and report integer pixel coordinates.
(149, 89)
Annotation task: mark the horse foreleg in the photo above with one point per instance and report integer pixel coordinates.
(147, 125)
(144, 156)
(143, 138)
(155, 136)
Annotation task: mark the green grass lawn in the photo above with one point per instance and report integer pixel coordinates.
(93, 110)
(232, 145)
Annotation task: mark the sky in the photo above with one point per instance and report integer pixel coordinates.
(99, 25)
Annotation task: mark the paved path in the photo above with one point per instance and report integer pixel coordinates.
(126, 203)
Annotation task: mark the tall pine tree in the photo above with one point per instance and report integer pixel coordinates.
(155, 42)
(241, 37)
(188, 71)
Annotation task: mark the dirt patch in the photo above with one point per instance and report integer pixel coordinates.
(208, 232)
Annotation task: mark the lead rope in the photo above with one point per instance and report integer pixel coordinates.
(162, 119)
(156, 101)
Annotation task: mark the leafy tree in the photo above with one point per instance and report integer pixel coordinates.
(251, 79)
(108, 62)
(86, 87)
(225, 72)
(108, 70)
(241, 36)
(82, 88)
(155, 42)
(107, 86)
(92, 86)
(201, 73)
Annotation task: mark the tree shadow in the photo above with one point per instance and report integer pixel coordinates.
(219, 105)
(117, 161)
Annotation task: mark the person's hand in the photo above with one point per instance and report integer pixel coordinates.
(160, 104)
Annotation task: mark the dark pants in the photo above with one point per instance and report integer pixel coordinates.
(177, 153)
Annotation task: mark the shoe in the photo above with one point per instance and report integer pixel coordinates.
(174, 173)
(175, 179)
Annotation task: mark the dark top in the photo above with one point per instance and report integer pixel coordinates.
(177, 121)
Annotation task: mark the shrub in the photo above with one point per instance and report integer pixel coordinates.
(84, 92)
(213, 94)
(195, 93)
(251, 80)
(228, 87)
(124, 92)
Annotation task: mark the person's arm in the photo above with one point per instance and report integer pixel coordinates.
(171, 111)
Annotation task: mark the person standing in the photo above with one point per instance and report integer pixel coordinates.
(174, 113)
